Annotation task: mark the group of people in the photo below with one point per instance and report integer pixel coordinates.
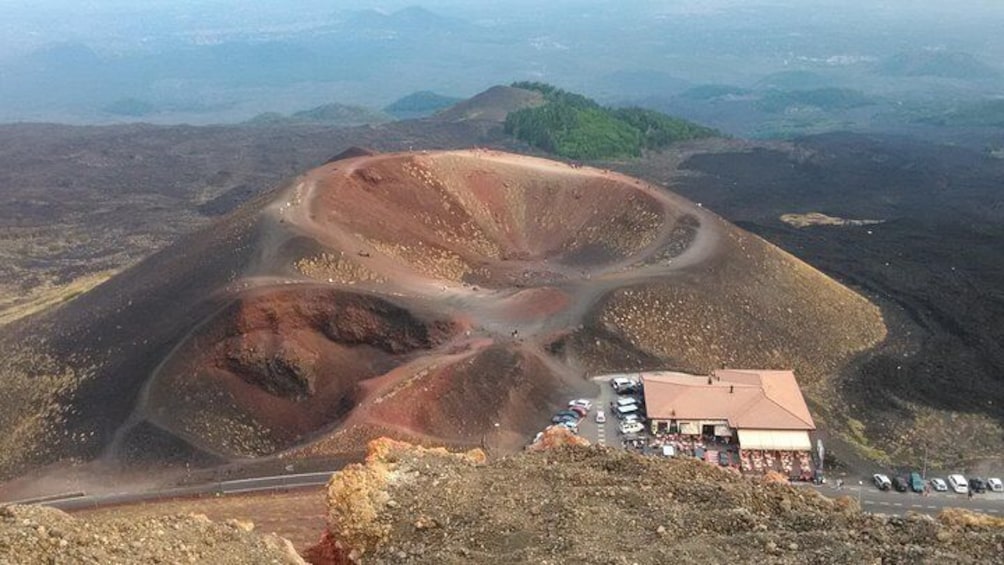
(790, 463)
(793, 464)
(684, 444)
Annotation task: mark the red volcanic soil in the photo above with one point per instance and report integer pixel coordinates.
(497, 224)
(277, 365)
(494, 387)
(443, 297)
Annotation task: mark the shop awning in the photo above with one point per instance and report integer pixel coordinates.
(781, 440)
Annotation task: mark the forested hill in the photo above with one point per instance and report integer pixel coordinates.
(574, 126)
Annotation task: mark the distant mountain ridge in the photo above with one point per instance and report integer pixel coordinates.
(492, 105)
(329, 114)
(412, 18)
(419, 104)
(937, 63)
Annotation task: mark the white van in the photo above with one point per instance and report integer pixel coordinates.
(631, 427)
(958, 484)
(622, 411)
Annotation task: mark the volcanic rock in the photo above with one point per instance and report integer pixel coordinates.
(599, 505)
(36, 534)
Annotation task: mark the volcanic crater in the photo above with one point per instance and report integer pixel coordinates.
(442, 297)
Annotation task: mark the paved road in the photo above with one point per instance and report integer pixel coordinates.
(261, 484)
(606, 433)
(871, 499)
(892, 502)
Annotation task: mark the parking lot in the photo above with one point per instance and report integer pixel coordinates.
(602, 433)
(870, 498)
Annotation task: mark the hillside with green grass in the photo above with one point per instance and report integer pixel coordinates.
(573, 126)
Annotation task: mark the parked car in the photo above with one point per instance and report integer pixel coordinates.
(560, 417)
(916, 482)
(621, 382)
(570, 426)
(626, 401)
(622, 411)
(881, 481)
(581, 402)
(631, 427)
(958, 484)
(977, 485)
(995, 484)
(939, 485)
(600, 417)
(630, 389)
(579, 410)
(633, 417)
(623, 385)
(900, 484)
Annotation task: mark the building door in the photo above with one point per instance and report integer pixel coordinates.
(708, 430)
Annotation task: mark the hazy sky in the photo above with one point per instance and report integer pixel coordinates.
(96, 17)
(255, 56)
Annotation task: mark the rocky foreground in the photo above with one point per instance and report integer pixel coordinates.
(34, 534)
(577, 504)
(559, 502)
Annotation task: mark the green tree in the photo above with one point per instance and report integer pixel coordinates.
(576, 127)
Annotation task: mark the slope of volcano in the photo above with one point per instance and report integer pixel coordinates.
(444, 297)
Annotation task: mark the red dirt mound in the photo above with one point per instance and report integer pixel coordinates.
(445, 297)
(279, 364)
(497, 387)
